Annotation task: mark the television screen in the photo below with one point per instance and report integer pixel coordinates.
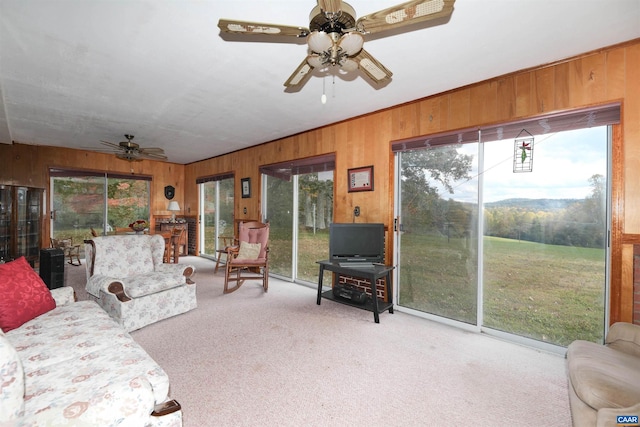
(356, 242)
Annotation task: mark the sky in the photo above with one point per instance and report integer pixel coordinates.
(562, 165)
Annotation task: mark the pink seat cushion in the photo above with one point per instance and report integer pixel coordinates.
(23, 294)
(255, 235)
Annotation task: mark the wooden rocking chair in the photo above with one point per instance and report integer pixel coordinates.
(70, 250)
(250, 259)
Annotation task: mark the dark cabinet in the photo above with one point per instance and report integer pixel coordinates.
(52, 267)
(20, 222)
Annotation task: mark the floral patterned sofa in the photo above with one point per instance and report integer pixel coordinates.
(74, 366)
(126, 276)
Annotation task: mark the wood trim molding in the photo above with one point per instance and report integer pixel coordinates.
(626, 284)
(618, 269)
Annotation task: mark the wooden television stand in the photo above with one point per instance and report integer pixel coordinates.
(372, 274)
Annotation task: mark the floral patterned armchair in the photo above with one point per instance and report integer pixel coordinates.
(127, 277)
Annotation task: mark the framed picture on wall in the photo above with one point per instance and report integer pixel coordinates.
(245, 183)
(360, 179)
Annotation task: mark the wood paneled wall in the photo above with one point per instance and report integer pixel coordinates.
(604, 76)
(29, 165)
(600, 77)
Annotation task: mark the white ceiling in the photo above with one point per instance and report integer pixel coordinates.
(74, 72)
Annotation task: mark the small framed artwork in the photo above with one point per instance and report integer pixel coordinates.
(245, 183)
(360, 179)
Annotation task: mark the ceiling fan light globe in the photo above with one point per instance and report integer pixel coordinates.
(319, 41)
(351, 43)
(315, 61)
(349, 65)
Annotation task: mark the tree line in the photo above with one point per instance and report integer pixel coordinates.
(426, 173)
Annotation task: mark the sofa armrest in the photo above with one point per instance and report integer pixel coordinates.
(64, 295)
(100, 282)
(608, 417)
(166, 408)
(130, 400)
(624, 337)
(186, 270)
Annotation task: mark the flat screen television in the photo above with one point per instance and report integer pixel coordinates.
(362, 242)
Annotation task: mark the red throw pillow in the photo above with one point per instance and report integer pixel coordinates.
(23, 294)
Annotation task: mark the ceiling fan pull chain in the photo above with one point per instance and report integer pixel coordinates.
(333, 90)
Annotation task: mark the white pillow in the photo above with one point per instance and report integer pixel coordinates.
(249, 250)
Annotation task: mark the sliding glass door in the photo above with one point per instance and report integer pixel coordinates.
(438, 262)
(299, 207)
(280, 211)
(299, 213)
(216, 213)
(315, 213)
(532, 260)
(545, 246)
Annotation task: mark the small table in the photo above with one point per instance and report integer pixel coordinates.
(372, 274)
(171, 243)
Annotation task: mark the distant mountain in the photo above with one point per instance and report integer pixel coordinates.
(534, 204)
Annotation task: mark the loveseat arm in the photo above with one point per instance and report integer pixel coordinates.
(108, 405)
(608, 417)
(186, 270)
(166, 408)
(624, 337)
(64, 295)
(100, 282)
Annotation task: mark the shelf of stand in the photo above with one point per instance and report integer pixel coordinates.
(382, 305)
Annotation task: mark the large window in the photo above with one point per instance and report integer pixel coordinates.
(439, 255)
(545, 245)
(510, 252)
(84, 200)
(299, 207)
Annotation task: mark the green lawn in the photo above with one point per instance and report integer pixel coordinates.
(554, 292)
(546, 292)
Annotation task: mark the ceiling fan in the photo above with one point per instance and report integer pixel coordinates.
(127, 150)
(335, 37)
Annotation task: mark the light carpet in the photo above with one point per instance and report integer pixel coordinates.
(264, 359)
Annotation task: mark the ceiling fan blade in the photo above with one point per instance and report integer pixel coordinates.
(98, 149)
(300, 75)
(155, 150)
(331, 6)
(371, 67)
(406, 13)
(244, 27)
(152, 156)
(111, 144)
